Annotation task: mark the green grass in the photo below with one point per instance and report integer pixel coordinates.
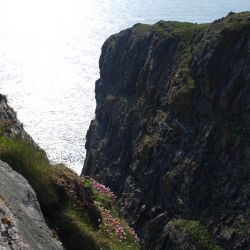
(69, 203)
(198, 233)
(234, 22)
(33, 164)
(81, 234)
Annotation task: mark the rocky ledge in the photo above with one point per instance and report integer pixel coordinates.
(10, 126)
(171, 134)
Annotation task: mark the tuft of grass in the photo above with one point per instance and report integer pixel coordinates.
(80, 234)
(33, 164)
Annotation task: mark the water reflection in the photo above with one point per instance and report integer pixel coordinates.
(49, 51)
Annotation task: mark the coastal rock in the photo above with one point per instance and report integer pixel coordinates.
(171, 132)
(10, 126)
(22, 225)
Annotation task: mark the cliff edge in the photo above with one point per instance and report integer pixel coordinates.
(171, 134)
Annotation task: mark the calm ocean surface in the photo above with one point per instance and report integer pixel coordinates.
(49, 52)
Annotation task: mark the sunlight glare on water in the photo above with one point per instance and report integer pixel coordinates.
(49, 52)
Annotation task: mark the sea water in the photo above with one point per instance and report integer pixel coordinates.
(49, 52)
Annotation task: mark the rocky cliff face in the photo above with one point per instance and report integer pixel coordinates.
(22, 225)
(171, 134)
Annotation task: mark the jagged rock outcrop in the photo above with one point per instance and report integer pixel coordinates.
(171, 134)
(10, 126)
(22, 225)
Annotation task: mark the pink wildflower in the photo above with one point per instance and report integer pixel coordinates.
(103, 189)
(113, 225)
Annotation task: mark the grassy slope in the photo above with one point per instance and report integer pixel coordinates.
(70, 204)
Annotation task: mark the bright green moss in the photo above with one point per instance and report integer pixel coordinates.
(198, 233)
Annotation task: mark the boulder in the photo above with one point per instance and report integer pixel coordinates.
(22, 225)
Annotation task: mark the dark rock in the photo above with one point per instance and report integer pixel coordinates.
(10, 126)
(171, 135)
(230, 13)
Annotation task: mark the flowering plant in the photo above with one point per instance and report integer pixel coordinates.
(103, 189)
(114, 226)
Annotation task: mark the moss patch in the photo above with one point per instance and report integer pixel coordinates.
(198, 233)
(148, 142)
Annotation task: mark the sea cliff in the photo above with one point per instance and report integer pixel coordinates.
(171, 133)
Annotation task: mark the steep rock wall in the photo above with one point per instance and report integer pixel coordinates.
(171, 132)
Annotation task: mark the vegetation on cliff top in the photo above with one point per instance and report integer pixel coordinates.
(187, 36)
(81, 214)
